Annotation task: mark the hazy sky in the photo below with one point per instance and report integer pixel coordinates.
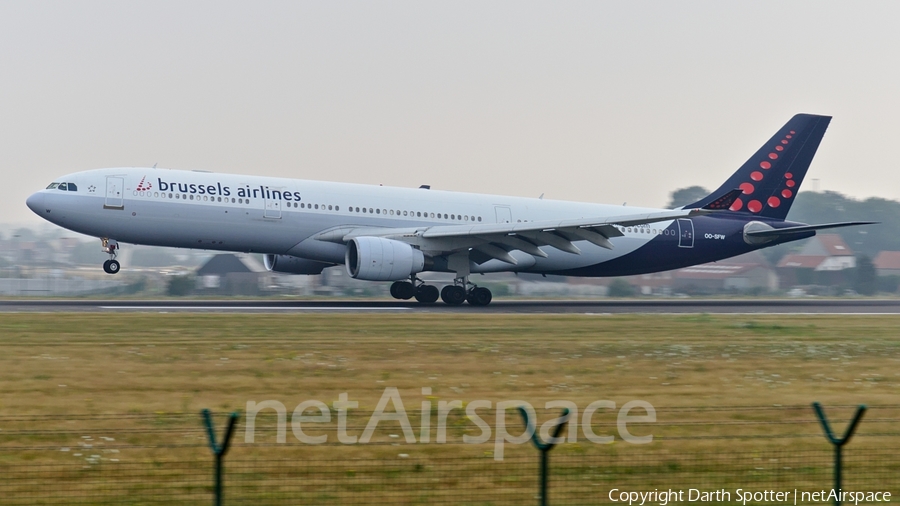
(594, 101)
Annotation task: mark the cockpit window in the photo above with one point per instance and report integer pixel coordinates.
(62, 186)
(52, 186)
(72, 187)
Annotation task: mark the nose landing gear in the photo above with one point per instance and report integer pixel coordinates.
(110, 266)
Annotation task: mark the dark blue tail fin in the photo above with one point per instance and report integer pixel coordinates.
(771, 178)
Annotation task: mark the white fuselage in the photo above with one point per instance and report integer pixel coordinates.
(204, 210)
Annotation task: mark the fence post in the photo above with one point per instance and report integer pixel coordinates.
(219, 449)
(838, 443)
(544, 447)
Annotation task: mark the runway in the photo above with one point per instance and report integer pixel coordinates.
(654, 306)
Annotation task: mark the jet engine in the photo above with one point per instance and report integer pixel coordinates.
(379, 259)
(290, 264)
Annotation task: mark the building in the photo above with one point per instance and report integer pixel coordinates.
(233, 274)
(743, 273)
(887, 263)
(824, 260)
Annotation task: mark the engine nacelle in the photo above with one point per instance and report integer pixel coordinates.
(293, 265)
(378, 259)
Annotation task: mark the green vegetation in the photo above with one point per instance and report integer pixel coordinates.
(131, 386)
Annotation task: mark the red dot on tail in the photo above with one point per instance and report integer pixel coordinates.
(747, 187)
(790, 183)
(754, 206)
(773, 156)
(765, 165)
(789, 175)
(786, 193)
(779, 148)
(774, 201)
(756, 175)
(793, 132)
(784, 142)
(736, 205)
(788, 136)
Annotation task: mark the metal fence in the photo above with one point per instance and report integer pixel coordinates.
(164, 458)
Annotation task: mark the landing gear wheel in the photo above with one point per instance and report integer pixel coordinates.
(402, 290)
(111, 266)
(453, 295)
(479, 297)
(427, 294)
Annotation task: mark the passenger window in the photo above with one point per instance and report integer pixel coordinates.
(479, 218)
(378, 211)
(404, 213)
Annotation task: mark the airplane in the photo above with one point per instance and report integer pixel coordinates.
(394, 234)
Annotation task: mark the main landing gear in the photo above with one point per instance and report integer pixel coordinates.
(454, 295)
(110, 266)
(415, 287)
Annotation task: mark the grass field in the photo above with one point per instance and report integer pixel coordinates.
(716, 381)
(114, 363)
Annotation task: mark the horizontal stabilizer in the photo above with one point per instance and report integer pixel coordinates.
(775, 232)
(725, 201)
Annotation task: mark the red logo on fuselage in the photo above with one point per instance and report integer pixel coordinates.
(143, 185)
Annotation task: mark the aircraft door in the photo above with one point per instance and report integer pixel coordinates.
(685, 233)
(504, 214)
(115, 186)
(273, 208)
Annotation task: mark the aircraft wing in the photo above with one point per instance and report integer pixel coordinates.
(496, 240)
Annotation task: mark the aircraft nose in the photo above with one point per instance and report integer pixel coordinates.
(36, 202)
